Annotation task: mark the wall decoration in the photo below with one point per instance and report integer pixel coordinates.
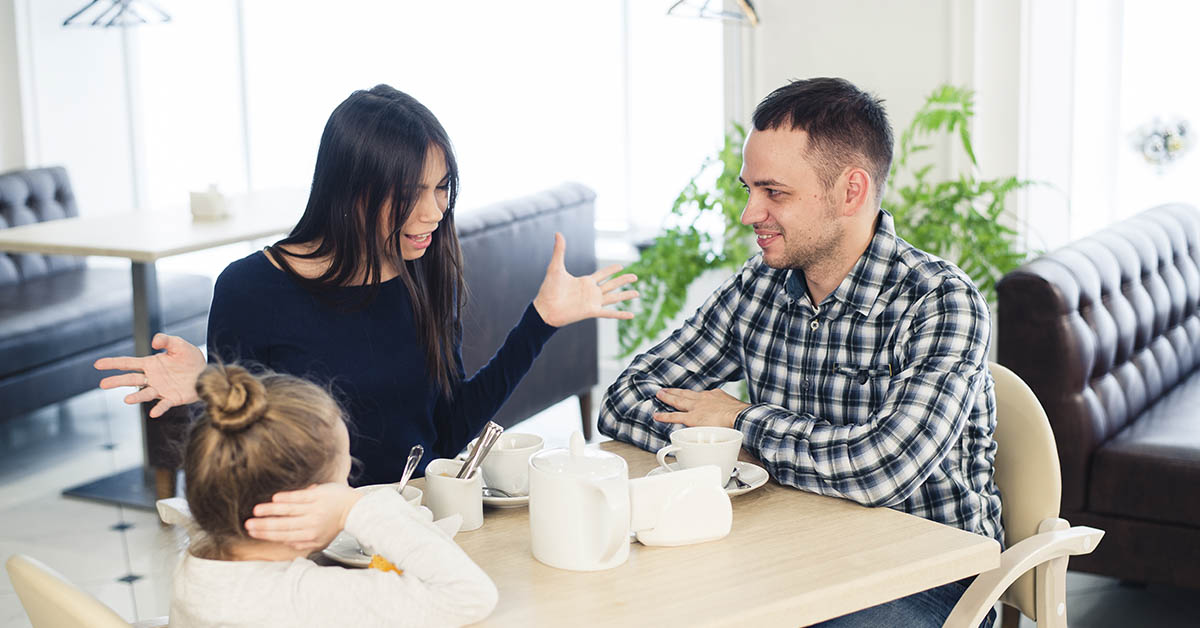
(1161, 142)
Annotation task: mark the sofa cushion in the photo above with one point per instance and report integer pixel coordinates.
(55, 316)
(27, 197)
(1151, 469)
(505, 249)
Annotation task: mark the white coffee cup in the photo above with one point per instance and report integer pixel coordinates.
(446, 495)
(698, 446)
(506, 466)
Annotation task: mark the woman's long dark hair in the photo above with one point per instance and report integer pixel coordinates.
(370, 161)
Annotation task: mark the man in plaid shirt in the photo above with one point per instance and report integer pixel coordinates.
(865, 358)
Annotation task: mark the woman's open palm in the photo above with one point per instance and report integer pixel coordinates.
(564, 298)
(169, 376)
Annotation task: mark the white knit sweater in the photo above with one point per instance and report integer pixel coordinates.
(440, 585)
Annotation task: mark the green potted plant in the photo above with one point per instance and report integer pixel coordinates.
(958, 219)
(703, 232)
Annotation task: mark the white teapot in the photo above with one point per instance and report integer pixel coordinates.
(579, 507)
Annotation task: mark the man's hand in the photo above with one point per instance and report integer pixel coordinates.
(708, 407)
(307, 519)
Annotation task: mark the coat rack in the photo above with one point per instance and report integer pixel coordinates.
(123, 13)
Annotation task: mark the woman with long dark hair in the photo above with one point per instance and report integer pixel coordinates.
(366, 293)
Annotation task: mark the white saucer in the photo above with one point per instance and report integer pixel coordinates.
(748, 472)
(345, 550)
(506, 502)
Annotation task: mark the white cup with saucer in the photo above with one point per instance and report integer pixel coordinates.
(698, 446)
(506, 466)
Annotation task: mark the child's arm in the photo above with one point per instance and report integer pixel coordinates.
(441, 585)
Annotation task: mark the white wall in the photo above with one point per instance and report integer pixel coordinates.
(76, 101)
(993, 36)
(900, 51)
(1019, 56)
(12, 142)
(1156, 81)
(1046, 134)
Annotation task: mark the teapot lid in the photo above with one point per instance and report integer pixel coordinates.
(578, 460)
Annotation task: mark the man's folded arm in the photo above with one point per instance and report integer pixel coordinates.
(700, 355)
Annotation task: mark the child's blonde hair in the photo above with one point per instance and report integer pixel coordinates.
(258, 435)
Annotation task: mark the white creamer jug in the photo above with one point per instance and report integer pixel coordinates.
(579, 507)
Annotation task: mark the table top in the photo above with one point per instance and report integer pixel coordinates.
(792, 558)
(150, 235)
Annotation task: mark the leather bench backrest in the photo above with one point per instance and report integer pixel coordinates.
(29, 196)
(1102, 327)
(506, 247)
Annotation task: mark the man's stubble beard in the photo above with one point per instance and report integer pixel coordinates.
(829, 240)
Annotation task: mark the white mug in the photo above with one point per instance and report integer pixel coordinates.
(506, 466)
(698, 446)
(446, 495)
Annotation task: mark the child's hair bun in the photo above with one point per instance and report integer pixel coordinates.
(235, 398)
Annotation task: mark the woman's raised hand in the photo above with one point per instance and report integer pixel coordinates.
(564, 298)
(169, 377)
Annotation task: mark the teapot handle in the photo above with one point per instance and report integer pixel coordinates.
(620, 530)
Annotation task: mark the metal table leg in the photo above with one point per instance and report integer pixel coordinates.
(138, 487)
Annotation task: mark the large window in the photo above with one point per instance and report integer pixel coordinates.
(613, 94)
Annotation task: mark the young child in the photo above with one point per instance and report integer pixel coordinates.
(263, 434)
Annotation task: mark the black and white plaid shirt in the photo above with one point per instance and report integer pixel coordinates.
(881, 395)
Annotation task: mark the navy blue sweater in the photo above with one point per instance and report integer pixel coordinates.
(372, 358)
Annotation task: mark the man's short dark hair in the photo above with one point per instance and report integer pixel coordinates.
(845, 126)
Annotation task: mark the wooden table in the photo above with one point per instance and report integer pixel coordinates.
(144, 238)
(792, 559)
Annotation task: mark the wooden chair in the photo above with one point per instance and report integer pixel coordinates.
(51, 601)
(1032, 574)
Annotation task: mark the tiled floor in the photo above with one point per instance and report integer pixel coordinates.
(125, 558)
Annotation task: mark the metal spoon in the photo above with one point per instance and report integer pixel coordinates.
(414, 456)
(737, 481)
(491, 432)
(495, 492)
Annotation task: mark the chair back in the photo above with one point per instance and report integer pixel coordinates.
(1027, 472)
(51, 601)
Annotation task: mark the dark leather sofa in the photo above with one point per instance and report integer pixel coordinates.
(506, 248)
(1107, 334)
(58, 314)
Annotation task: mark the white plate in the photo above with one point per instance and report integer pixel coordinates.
(506, 502)
(748, 472)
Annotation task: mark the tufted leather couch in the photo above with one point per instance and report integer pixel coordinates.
(1106, 332)
(506, 247)
(58, 314)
